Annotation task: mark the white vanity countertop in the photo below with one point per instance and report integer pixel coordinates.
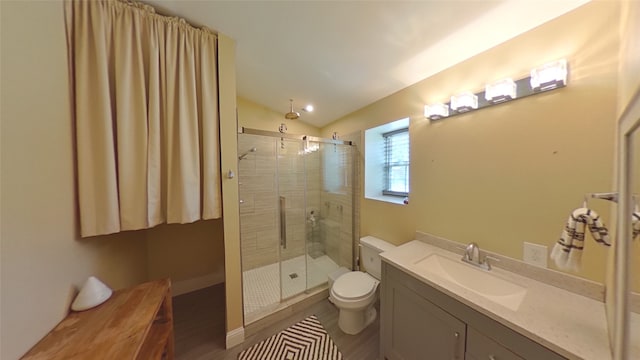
(574, 326)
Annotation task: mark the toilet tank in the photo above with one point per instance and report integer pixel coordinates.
(370, 249)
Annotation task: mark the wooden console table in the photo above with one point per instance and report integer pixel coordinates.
(135, 323)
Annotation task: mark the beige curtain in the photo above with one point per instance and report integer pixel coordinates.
(145, 105)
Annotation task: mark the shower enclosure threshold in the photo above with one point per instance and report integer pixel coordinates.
(265, 317)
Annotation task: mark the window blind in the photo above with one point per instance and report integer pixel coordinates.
(396, 164)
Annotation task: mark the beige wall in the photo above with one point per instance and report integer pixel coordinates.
(230, 200)
(43, 260)
(256, 116)
(513, 172)
(192, 255)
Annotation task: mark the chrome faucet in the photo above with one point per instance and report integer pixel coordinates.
(472, 253)
(472, 256)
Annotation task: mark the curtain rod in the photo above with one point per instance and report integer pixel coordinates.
(166, 17)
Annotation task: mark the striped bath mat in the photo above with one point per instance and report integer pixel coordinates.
(306, 340)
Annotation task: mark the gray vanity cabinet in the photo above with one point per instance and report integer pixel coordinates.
(419, 322)
(420, 330)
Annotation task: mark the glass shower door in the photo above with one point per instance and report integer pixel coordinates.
(291, 209)
(329, 168)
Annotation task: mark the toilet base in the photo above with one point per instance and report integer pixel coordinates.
(352, 322)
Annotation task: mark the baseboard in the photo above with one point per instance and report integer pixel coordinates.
(201, 282)
(235, 337)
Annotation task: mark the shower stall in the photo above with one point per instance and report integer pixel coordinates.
(296, 216)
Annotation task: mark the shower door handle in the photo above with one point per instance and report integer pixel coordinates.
(283, 223)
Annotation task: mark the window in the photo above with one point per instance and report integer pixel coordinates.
(396, 162)
(386, 162)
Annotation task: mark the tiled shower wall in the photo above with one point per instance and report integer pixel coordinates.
(258, 201)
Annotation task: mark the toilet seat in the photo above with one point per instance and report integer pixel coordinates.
(354, 286)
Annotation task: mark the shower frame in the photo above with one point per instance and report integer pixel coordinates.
(307, 139)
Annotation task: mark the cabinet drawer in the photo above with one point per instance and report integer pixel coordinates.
(480, 347)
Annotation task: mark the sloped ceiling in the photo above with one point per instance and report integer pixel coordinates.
(343, 55)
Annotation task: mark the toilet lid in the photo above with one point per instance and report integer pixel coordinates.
(354, 285)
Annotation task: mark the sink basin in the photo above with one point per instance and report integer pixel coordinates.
(479, 281)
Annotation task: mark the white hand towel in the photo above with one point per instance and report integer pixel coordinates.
(567, 252)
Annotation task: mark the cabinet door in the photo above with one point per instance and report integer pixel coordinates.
(419, 329)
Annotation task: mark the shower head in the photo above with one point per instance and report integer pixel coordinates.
(291, 115)
(253, 149)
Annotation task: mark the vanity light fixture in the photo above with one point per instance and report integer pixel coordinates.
(436, 111)
(464, 102)
(499, 91)
(549, 76)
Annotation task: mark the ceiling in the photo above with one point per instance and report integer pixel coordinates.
(343, 55)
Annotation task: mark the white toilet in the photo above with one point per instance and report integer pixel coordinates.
(354, 292)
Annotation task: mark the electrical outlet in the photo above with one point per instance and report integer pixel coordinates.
(535, 254)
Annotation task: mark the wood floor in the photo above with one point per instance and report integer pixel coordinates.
(199, 322)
